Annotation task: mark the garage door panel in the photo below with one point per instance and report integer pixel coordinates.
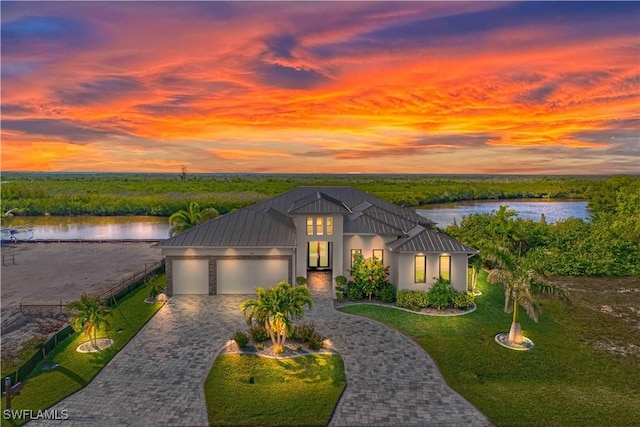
(242, 276)
(190, 276)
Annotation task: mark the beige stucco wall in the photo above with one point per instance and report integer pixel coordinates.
(367, 243)
(406, 270)
(302, 239)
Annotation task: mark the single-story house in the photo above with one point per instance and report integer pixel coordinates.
(310, 229)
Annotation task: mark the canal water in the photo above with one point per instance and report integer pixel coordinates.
(89, 227)
(445, 213)
(157, 228)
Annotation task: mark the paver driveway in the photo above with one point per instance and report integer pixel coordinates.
(157, 378)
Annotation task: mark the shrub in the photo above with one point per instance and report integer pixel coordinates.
(301, 281)
(304, 331)
(341, 286)
(341, 281)
(258, 333)
(354, 292)
(315, 341)
(413, 300)
(463, 300)
(386, 293)
(441, 294)
(241, 339)
(156, 286)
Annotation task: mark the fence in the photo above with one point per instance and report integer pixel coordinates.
(114, 293)
(27, 368)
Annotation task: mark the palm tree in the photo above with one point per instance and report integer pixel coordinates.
(476, 266)
(522, 278)
(183, 220)
(276, 306)
(89, 314)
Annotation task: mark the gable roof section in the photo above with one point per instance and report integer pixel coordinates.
(420, 239)
(318, 203)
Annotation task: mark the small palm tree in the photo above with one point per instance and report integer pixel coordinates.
(183, 220)
(89, 314)
(476, 266)
(276, 306)
(522, 279)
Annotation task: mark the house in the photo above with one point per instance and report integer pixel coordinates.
(307, 230)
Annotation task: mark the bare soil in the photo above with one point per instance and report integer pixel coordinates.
(608, 310)
(58, 273)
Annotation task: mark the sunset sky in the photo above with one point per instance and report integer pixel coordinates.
(321, 87)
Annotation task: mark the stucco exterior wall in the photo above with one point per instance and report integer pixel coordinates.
(406, 271)
(303, 239)
(367, 243)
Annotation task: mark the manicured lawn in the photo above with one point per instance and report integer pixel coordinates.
(563, 381)
(44, 388)
(251, 390)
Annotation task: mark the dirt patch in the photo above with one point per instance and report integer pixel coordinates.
(58, 273)
(608, 310)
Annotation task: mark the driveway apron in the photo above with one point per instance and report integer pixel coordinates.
(157, 379)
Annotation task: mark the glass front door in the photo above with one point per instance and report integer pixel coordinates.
(318, 255)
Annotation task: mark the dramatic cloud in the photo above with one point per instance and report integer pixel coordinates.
(388, 87)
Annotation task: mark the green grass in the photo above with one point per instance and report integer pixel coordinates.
(251, 390)
(75, 370)
(562, 381)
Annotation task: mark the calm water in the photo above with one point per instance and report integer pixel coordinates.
(91, 227)
(445, 213)
(149, 227)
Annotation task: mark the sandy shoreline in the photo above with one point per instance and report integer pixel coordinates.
(48, 273)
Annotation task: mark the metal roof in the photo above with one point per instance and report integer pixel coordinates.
(420, 239)
(245, 227)
(269, 223)
(318, 203)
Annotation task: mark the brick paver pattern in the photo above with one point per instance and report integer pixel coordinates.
(157, 379)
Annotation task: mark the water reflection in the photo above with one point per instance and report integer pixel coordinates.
(445, 213)
(93, 227)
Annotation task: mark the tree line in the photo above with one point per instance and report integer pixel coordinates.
(164, 194)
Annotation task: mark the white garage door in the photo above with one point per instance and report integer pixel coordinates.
(241, 276)
(191, 276)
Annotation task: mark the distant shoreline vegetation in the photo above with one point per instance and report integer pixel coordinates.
(161, 194)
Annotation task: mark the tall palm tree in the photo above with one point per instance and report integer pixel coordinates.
(89, 314)
(276, 306)
(522, 278)
(183, 220)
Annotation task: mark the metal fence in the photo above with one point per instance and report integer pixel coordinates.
(111, 296)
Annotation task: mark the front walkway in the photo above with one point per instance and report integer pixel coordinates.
(157, 378)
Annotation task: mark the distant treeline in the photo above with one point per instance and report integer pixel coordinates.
(163, 194)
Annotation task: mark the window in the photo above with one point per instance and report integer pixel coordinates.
(420, 269)
(319, 230)
(309, 226)
(329, 226)
(354, 252)
(445, 267)
(379, 253)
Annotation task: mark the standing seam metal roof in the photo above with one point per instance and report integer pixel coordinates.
(266, 224)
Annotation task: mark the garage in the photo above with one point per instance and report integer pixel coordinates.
(190, 276)
(242, 276)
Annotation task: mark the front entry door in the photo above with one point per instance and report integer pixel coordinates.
(319, 255)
